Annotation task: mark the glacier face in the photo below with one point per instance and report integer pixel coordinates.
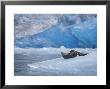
(55, 30)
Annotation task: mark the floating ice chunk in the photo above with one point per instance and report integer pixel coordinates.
(80, 65)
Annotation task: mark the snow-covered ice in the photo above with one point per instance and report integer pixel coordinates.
(49, 62)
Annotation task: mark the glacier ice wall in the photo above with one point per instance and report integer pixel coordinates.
(55, 30)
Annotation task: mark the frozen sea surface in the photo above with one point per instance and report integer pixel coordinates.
(49, 62)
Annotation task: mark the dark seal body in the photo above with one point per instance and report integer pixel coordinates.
(72, 54)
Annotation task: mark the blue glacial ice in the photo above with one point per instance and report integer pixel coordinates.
(71, 31)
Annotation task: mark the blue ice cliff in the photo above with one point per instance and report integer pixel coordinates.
(55, 30)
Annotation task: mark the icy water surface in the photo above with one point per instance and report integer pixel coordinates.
(49, 62)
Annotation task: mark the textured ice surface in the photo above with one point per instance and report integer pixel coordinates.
(48, 61)
(55, 30)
